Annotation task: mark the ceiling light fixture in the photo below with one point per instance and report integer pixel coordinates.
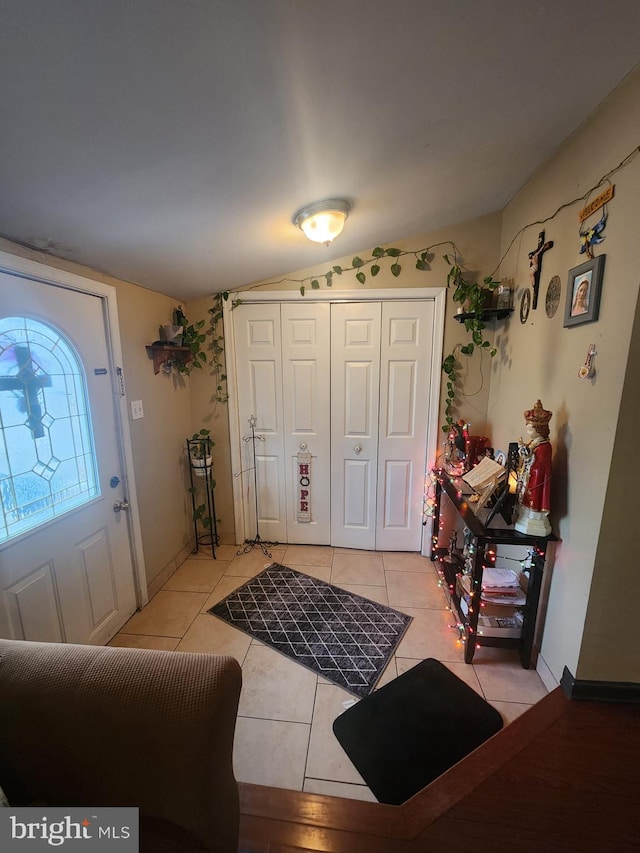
(322, 221)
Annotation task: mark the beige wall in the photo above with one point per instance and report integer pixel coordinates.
(609, 647)
(478, 244)
(158, 438)
(540, 359)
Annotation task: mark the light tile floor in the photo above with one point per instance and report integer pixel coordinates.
(283, 735)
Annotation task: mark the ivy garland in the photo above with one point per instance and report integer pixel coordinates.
(471, 297)
(423, 257)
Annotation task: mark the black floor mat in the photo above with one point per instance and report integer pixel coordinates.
(408, 732)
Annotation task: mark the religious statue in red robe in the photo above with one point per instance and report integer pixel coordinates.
(534, 476)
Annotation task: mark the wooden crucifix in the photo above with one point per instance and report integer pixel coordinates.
(27, 381)
(535, 263)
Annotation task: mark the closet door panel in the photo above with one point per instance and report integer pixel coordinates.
(355, 377)
(397, 478)
(307, 420)
(259, 376)
(405, 377)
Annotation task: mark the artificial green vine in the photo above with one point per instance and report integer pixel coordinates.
(217, 345)
(473, 299)
(192, 337)
(422, 259)
(195, 336)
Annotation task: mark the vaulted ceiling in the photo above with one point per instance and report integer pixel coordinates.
(169, 143)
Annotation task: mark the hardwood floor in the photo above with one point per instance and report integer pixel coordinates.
(564, 776)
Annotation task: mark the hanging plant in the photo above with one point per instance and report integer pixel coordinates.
(473, 299)
(192, 337)
(195, 336)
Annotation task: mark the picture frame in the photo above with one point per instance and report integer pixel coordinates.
(584, 287)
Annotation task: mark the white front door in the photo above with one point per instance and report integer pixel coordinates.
(66, 570)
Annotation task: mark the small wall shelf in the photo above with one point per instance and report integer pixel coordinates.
(488, 314)
(162, 354)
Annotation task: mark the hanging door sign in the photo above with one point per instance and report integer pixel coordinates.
(304, 484)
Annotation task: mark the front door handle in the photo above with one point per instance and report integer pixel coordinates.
(119, 506)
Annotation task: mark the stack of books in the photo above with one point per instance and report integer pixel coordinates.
(501, 586)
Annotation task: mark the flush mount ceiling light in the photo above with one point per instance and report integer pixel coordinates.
(322, 221)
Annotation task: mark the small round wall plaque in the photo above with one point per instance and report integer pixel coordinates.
(552, 299)
(525, 305)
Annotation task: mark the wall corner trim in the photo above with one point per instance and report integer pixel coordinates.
(599, 691)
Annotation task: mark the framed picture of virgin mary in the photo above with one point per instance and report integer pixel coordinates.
(583, 292)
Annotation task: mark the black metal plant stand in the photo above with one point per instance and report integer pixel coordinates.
(198, 452)
(250, 544)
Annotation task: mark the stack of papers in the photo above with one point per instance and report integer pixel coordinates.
(496, 626)
(485, 473)
(495, 579)
(500, 586)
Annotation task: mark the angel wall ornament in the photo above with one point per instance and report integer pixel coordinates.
(592, 236)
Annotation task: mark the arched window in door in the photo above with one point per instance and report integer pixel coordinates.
(47, 457)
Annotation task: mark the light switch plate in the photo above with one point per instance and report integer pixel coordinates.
(136, 410)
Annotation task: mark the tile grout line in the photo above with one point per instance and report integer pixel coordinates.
(313, 713)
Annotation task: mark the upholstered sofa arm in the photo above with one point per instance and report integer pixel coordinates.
(85, 725)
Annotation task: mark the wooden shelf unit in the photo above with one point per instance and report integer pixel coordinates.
(485, 539)
(487, 314)
(161, 354)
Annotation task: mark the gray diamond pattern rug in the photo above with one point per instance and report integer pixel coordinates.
(337, 634)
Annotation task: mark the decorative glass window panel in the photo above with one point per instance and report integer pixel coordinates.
(47, 455)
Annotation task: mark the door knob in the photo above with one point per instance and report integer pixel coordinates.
(357, 448)
(121, 505)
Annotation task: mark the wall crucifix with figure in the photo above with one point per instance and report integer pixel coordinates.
(28, 381)
(535, 264)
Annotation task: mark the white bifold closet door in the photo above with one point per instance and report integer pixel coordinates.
(380, 381)
(350, 383)
(282, 367)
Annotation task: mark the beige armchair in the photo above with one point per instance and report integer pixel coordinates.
(87, 725)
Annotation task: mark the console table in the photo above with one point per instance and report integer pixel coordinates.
(462, 572)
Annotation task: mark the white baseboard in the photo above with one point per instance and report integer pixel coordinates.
(548, 679)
